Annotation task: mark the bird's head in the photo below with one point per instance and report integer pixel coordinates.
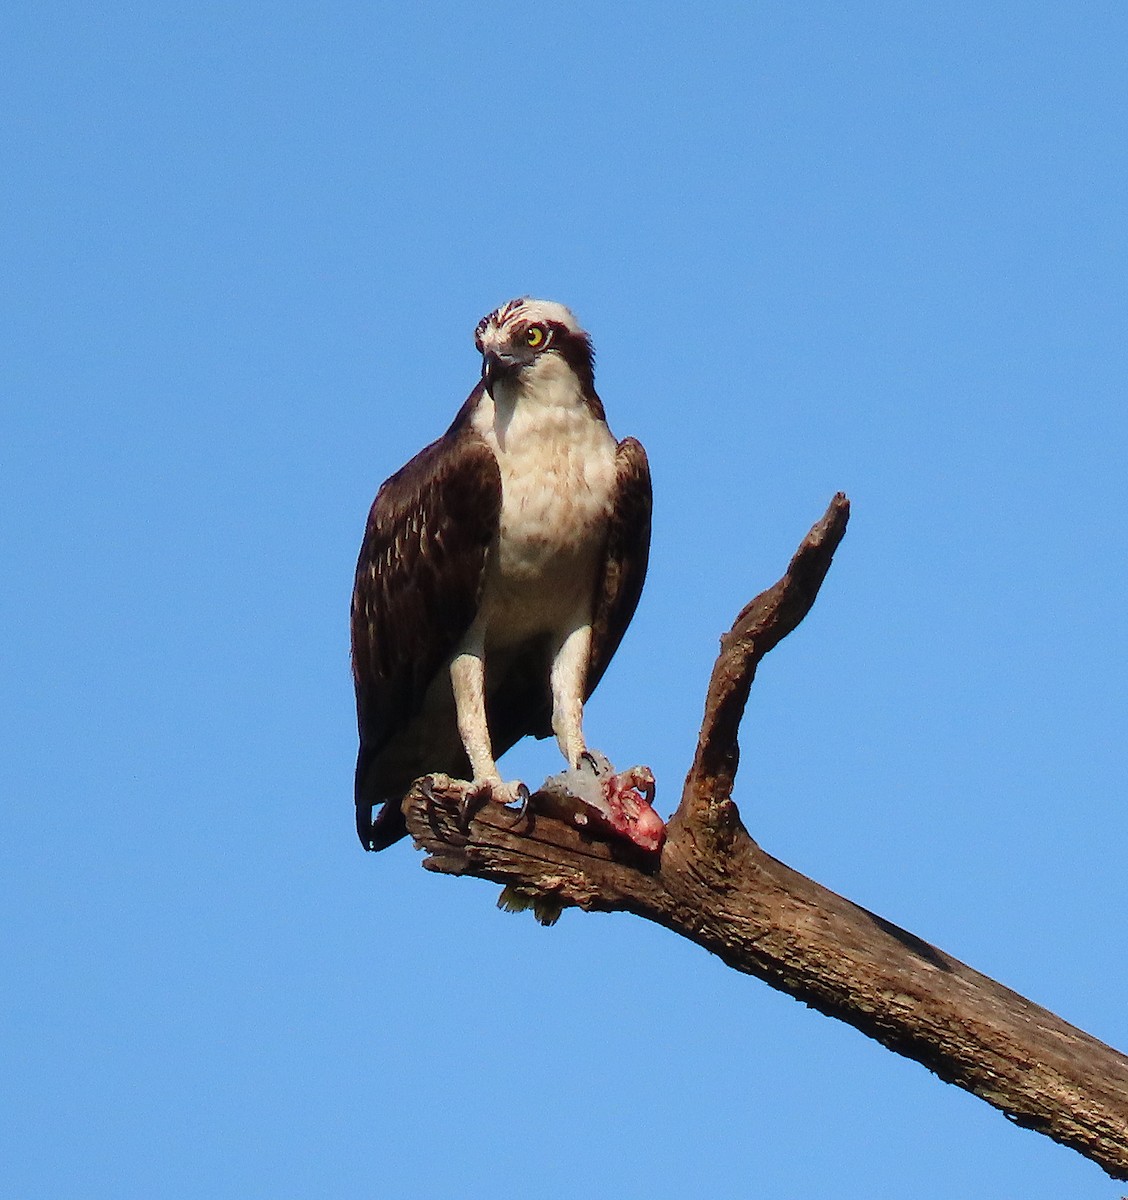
(528, 342)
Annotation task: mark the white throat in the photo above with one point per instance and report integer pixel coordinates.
(557, 462)
(540, 401)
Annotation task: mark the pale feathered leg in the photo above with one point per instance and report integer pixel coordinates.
(468, 682)
(569, 674)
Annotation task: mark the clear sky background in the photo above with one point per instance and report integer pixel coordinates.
(877, 247)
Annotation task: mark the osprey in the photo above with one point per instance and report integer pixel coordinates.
(498, 573)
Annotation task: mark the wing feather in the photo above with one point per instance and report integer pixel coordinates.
(625, 560)
(418, 586)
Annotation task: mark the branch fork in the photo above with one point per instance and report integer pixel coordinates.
(714, 885)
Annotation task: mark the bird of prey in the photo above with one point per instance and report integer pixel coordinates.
(498, 573)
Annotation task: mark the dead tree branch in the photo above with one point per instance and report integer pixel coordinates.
(714, 885)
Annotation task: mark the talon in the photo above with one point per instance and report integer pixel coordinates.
(469, 804)
(589, 758)
(644, 781)
(524, 808)
(639, 779)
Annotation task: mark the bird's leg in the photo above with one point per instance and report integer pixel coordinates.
(468, 681)
(569, 674)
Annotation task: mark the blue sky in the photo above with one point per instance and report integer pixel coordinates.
(876, 247)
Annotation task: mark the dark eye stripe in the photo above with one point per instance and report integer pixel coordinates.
(575, 349)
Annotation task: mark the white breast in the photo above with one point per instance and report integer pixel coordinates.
(557, 465)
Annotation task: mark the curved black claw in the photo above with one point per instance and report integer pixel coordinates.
(524, 808)
(589, 758)
(472, 800)
(646, 786)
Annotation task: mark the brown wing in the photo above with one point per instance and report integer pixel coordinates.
(418, 585)
(624, 564)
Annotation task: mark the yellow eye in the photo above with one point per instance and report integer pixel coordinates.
(535, 336)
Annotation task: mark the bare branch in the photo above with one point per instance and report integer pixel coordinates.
(761, 625)
(714, 885)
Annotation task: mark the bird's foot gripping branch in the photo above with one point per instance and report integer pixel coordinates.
(587, 824)
(604, 802)
(713, 884)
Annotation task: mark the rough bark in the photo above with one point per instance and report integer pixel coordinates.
(714, 885)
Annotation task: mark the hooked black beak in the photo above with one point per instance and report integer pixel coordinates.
(495, 367)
